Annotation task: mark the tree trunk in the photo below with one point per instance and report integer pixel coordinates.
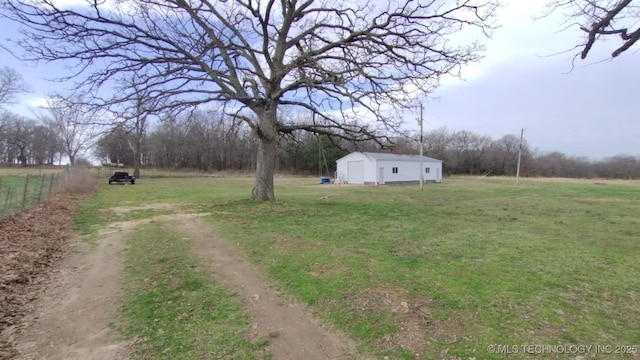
(136, 159)
(22, 158)
(72, 160)
(264, 171)
(267, 134)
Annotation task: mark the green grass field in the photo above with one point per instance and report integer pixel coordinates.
(443, 273)
(17, 191)
(180, 311)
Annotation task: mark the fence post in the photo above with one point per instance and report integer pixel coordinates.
(24, 194)
(41, 186)
(51, 184)
(7, 200)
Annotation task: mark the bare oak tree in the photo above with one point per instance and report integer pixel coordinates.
(599, 19)
(74, 124)
(136, 117)
(347, 62)
(11, 84)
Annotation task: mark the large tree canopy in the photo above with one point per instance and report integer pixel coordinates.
(600, 19)
(346, 62)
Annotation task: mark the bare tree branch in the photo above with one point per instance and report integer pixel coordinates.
(599, 19)
(328, 57)
(11, 84)
(74, 124)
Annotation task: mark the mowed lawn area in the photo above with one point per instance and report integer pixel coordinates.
(448, 272)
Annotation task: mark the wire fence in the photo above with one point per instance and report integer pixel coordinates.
(18, 192)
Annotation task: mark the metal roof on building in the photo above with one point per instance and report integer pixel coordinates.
(398, 157)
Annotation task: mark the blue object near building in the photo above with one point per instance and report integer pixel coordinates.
(325, 180)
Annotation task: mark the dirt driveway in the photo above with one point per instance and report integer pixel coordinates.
(72, 318)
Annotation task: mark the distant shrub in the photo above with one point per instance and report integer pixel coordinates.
(80, 161)
(76, 180)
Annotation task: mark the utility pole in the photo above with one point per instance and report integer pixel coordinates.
(519, 157)
(319, 149)
(319, 156)
(421, 149)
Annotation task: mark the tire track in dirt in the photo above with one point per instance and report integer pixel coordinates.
(72, 319)
(299, 334)
(74, 316)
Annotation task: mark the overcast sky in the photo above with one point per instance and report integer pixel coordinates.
(523, 82)
(526, 81)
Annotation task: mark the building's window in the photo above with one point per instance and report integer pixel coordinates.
(427, 170)
(394, 170)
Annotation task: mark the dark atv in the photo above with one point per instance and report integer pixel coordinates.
(122, 177)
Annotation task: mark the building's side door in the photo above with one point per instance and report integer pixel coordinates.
(381, 176)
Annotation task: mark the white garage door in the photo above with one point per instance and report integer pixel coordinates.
(355, 170)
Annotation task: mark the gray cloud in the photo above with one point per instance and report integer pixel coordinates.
(590, 111)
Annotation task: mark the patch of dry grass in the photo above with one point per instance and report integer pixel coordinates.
(76, 180)
(557, 180)
(29, 170)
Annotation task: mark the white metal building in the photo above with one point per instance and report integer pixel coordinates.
(384, 168)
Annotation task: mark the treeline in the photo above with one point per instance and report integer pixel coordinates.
(207, 142)
(26, 141)
(466, 152)
(212, 142)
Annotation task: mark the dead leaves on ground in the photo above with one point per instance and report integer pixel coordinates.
(31, 243)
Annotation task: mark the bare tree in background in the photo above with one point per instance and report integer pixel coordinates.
(467, 151)
(136, 118)
(11, 84)
(17, 134)
(344, 61)
(600, 19)
(45, 144)
(502, 154)
(113, 147)
(74, 123)
(138, 128)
